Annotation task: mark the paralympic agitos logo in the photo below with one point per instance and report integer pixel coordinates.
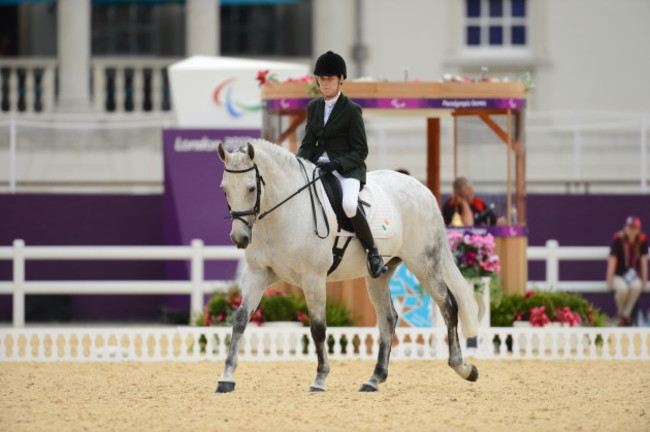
(223, 96)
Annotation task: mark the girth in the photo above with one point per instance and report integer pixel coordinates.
(334, 194)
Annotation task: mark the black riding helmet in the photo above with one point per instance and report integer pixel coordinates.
(330, 64)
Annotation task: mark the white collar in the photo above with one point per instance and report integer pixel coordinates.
(330, 103)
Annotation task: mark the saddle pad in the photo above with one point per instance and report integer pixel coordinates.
(379, 214)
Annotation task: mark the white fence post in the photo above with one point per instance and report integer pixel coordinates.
(19, 284)
(196, 272)
(552, 264)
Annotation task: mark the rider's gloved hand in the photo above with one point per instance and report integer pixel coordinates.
(328, 167)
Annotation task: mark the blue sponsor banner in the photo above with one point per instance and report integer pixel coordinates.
(413, 305)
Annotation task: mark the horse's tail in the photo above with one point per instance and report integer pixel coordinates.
(460, 288)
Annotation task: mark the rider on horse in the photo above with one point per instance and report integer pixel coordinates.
(335, 140)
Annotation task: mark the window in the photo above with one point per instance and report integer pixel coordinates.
(139, 29)
(496, 24)
(274, 29)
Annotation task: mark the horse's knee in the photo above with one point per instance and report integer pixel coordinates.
(318, 330)
(241, 319)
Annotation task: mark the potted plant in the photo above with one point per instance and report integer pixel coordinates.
(479, 264)
(541, 308)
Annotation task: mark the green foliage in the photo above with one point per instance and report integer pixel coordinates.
(279, 308)
(337, 315)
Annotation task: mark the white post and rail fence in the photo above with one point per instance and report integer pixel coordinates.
(196, 287)
(185, 343)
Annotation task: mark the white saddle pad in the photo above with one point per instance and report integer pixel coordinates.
(379, 214)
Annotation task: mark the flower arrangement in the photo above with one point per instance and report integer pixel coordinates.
(274, 306)
(474, 254)
(265, 77)
(543, 308)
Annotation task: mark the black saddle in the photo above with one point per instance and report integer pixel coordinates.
(334, 194)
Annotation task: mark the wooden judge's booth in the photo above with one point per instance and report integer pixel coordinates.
(500, 106)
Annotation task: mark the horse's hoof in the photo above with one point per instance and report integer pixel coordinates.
(316, 389)
(473, 375)
(225, 387)
(367, 388)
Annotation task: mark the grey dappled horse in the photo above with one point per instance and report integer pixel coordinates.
(281, 244)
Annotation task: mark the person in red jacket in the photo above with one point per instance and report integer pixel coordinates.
(627, 267)
(471, 209)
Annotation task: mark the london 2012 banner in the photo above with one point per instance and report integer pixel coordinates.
(194, 205)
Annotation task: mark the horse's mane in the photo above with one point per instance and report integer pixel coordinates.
(277, 153)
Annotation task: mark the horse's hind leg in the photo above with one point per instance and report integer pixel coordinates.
(433, 283)
(253, 283)
(386, 320)
(449, 311)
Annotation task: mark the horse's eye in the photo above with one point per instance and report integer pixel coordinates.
(251, 189)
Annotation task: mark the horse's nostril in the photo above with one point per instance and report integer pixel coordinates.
(241, 241)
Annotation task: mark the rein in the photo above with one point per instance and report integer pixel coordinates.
(256, 209)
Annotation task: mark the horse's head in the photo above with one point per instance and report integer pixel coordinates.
(242, 184)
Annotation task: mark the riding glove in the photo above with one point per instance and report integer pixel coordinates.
(328, 167)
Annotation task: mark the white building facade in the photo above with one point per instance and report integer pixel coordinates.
(104, 61)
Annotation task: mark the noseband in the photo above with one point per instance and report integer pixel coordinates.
(259, 180)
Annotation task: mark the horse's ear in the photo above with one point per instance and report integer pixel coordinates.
(250, 150)
(222, 152)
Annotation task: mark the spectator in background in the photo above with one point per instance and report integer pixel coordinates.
(627, 267)
(470, 209)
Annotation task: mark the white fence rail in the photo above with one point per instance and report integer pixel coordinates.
(552, 253)
(290, 343)
(197, 286)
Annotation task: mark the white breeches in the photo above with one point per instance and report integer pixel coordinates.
(350, 188)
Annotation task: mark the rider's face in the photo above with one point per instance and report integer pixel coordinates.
(329, 86)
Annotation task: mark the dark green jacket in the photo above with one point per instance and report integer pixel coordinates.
(343, 137)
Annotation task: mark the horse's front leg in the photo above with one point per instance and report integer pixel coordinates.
(386, 321)
(253, 283)
(315, 296)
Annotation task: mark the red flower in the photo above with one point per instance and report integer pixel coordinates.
(257, 317)
(262, 76)
(470, 257)
(302, 317)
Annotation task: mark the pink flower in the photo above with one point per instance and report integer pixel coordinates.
(566, 315)
(530, 293)
(538, 317)
(257, 317)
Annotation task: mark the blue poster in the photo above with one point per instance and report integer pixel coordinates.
(413, 305)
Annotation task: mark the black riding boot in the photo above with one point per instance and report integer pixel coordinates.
(376, 265)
